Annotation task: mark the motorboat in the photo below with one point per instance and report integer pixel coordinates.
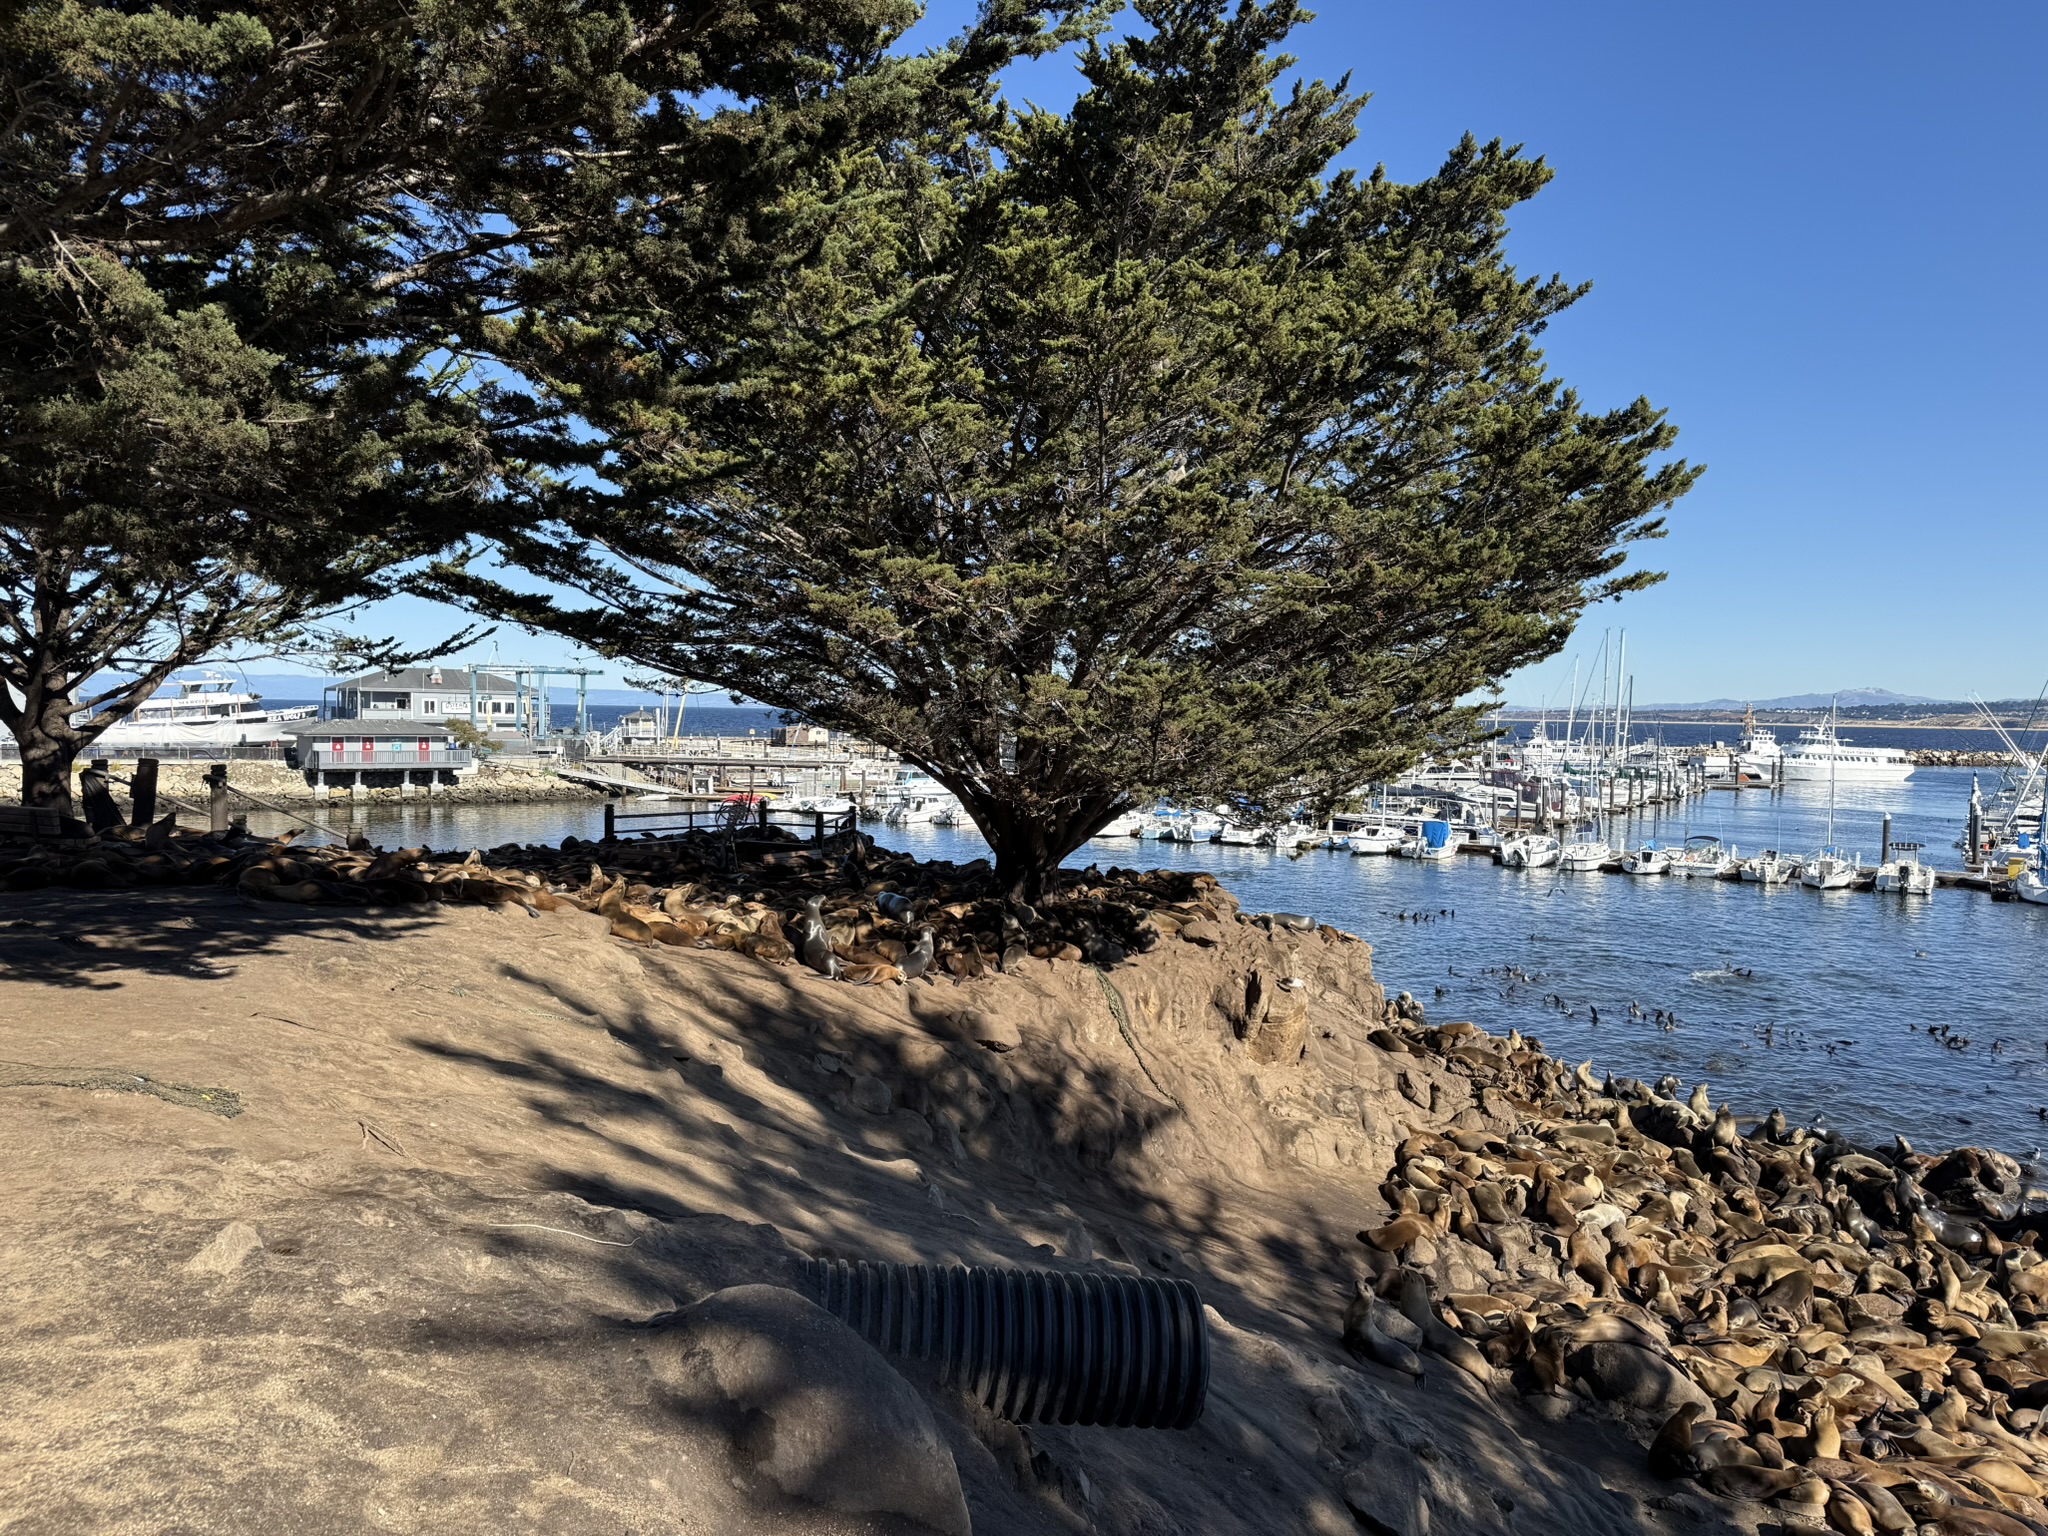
(1827, 869)
(1704, 855)
(2031, 885)
(1297, 835)
(1904, 873)
(1431, 843)
(210, 710)
(1759, 757)
(1130, 824)
(1231, 835)
(1650, 859)
(1190, 827)
(1768, 868)
(1378, 838)
(1530, 850)
(1585, 856)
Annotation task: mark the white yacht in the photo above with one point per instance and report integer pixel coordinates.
(206, 711)
(1381, 837)
(1904, 873)
(1530, 850)
(1651, 859)
(1819, 754)
(1760, 756)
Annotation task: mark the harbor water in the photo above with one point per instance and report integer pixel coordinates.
(1820, 1003)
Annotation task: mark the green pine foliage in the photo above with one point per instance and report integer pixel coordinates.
(262, 265)
(1089, 458)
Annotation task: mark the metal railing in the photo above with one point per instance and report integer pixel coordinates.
(326, 760)
(816, 825)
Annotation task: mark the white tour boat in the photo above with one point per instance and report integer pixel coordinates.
(206, 711)
(1820, 754)
(1904, 873)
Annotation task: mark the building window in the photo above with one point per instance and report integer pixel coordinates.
(430, 706)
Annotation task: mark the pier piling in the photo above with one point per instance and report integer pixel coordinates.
(217, 796)
(142, 793)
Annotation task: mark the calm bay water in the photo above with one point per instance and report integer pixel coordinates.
(1831, 1024)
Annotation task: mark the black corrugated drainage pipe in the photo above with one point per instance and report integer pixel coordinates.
(1088, 1348)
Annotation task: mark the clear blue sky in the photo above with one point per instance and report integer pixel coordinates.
(1815, 233)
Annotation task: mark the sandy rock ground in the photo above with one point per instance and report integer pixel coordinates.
(423, 1280)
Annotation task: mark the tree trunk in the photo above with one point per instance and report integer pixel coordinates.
(1029, 848)
(49, 746)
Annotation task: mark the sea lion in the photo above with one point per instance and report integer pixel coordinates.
(918, 960)
(1671, 1453)
(1366, 1335)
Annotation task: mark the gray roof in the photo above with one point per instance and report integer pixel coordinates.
(417, 677)
(333, 728)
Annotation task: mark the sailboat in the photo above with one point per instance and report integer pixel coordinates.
(1828, 868)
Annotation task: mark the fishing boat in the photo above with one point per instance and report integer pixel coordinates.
(1769, 868)
(2031, 885)
(1904, 873)
(1298, 835)
(1530, 850)
(1652, 858)
(1377, 838)
(1759, 756)
(210, 710)
(1704, 856)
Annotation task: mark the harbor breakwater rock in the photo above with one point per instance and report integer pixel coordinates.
(493, 783)
(484, 1135)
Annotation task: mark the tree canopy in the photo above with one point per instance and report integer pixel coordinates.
(1085, 458)
(260, 261)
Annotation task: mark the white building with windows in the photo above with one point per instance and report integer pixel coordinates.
(432, 696)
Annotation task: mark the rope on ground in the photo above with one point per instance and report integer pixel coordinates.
(1122, 1015)
(224, 1102)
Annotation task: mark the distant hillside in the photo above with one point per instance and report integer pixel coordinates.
(1848, 698)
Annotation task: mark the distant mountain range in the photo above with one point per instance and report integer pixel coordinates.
(1848, 698)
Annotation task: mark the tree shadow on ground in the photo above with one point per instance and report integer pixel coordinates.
(88, 939)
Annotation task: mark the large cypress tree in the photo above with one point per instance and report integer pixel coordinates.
(263, 264)
(1126, 452)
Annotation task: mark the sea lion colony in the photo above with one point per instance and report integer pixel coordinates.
(846, 908)
(1858, 1336)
